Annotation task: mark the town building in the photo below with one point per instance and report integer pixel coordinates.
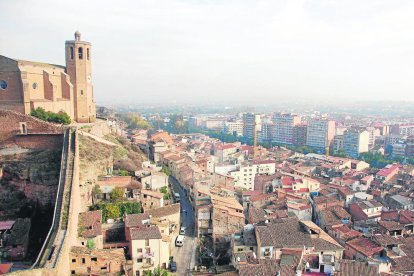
(320, 133)
(85, 261)
(291, 234)
(356, 141)
(251, 123)
(27, 85)
(234, 128)
(299, 133)
(147, 248)
(283, 127)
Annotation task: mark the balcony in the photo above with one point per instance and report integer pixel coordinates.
(148, 255)
(148, 265)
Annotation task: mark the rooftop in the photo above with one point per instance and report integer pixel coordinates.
(90, 224)
(145, 233)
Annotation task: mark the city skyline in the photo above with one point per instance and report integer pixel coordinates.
(234, 52)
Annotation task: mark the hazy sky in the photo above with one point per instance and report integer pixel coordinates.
(233, 51)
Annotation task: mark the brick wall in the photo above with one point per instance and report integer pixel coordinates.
(11, 122)
(39, 141)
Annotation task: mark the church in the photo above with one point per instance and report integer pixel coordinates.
(27, 85)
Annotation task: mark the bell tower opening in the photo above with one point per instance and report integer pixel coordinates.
(80, 52)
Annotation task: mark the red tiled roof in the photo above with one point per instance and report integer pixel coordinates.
(90, 224)
(387, 170)
(6, 225)
(225, 146)
(365, 246)
(5, 268)
(258, 162)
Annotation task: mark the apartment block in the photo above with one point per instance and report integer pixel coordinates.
(320, 133)
(356, 141)
(283, 127)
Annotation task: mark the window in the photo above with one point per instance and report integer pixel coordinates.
(139, 250)
(148, 250)
(83, 260)
(34, 85)
(73, 272)
(139, 260)
(3, 84)
(147, 242)
(87, 53)
(23, 128)
(71, 52)
(80, 53)
(81, 92)
(73, 260)
(94, 259)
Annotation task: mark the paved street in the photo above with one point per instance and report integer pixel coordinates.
(184, 256)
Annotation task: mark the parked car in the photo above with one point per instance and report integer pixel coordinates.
(173, 266)
(182, 230)
(179, 241)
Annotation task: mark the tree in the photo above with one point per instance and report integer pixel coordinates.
(164, 190)
(135, 121)
(117, 194)
(166, 170)
(160, 272)
(91, 244)
(121, 172)
(112, 211)
(48, 116)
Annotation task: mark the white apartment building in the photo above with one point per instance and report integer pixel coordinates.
(320, 133)
(283, 127)
(245, 175)
(356, 141)
(234, 128)
(373, 134)
(214, 124)
(148, 250)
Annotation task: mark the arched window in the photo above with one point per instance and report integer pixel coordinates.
(80, 52)
(87, 53)
(71, 52)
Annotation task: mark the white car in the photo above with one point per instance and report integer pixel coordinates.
(180, 240)
(182, 230)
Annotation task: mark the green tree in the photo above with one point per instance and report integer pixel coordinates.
(117, 194)
(166, 195)
(121, 172)
(91, 244)
(48, 116)
(112, 211)
(166, 170)
(160, 272)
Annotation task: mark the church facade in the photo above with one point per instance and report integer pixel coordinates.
(27, 85)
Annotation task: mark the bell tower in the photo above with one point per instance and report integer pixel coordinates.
(78, 67)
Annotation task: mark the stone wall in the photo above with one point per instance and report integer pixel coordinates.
(39, 141)
(63, 265)
(14, 123)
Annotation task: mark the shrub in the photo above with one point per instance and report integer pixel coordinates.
(48, 116)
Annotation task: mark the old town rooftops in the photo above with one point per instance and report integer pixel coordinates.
(145, 233)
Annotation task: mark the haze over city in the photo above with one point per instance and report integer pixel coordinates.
(229, 52)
